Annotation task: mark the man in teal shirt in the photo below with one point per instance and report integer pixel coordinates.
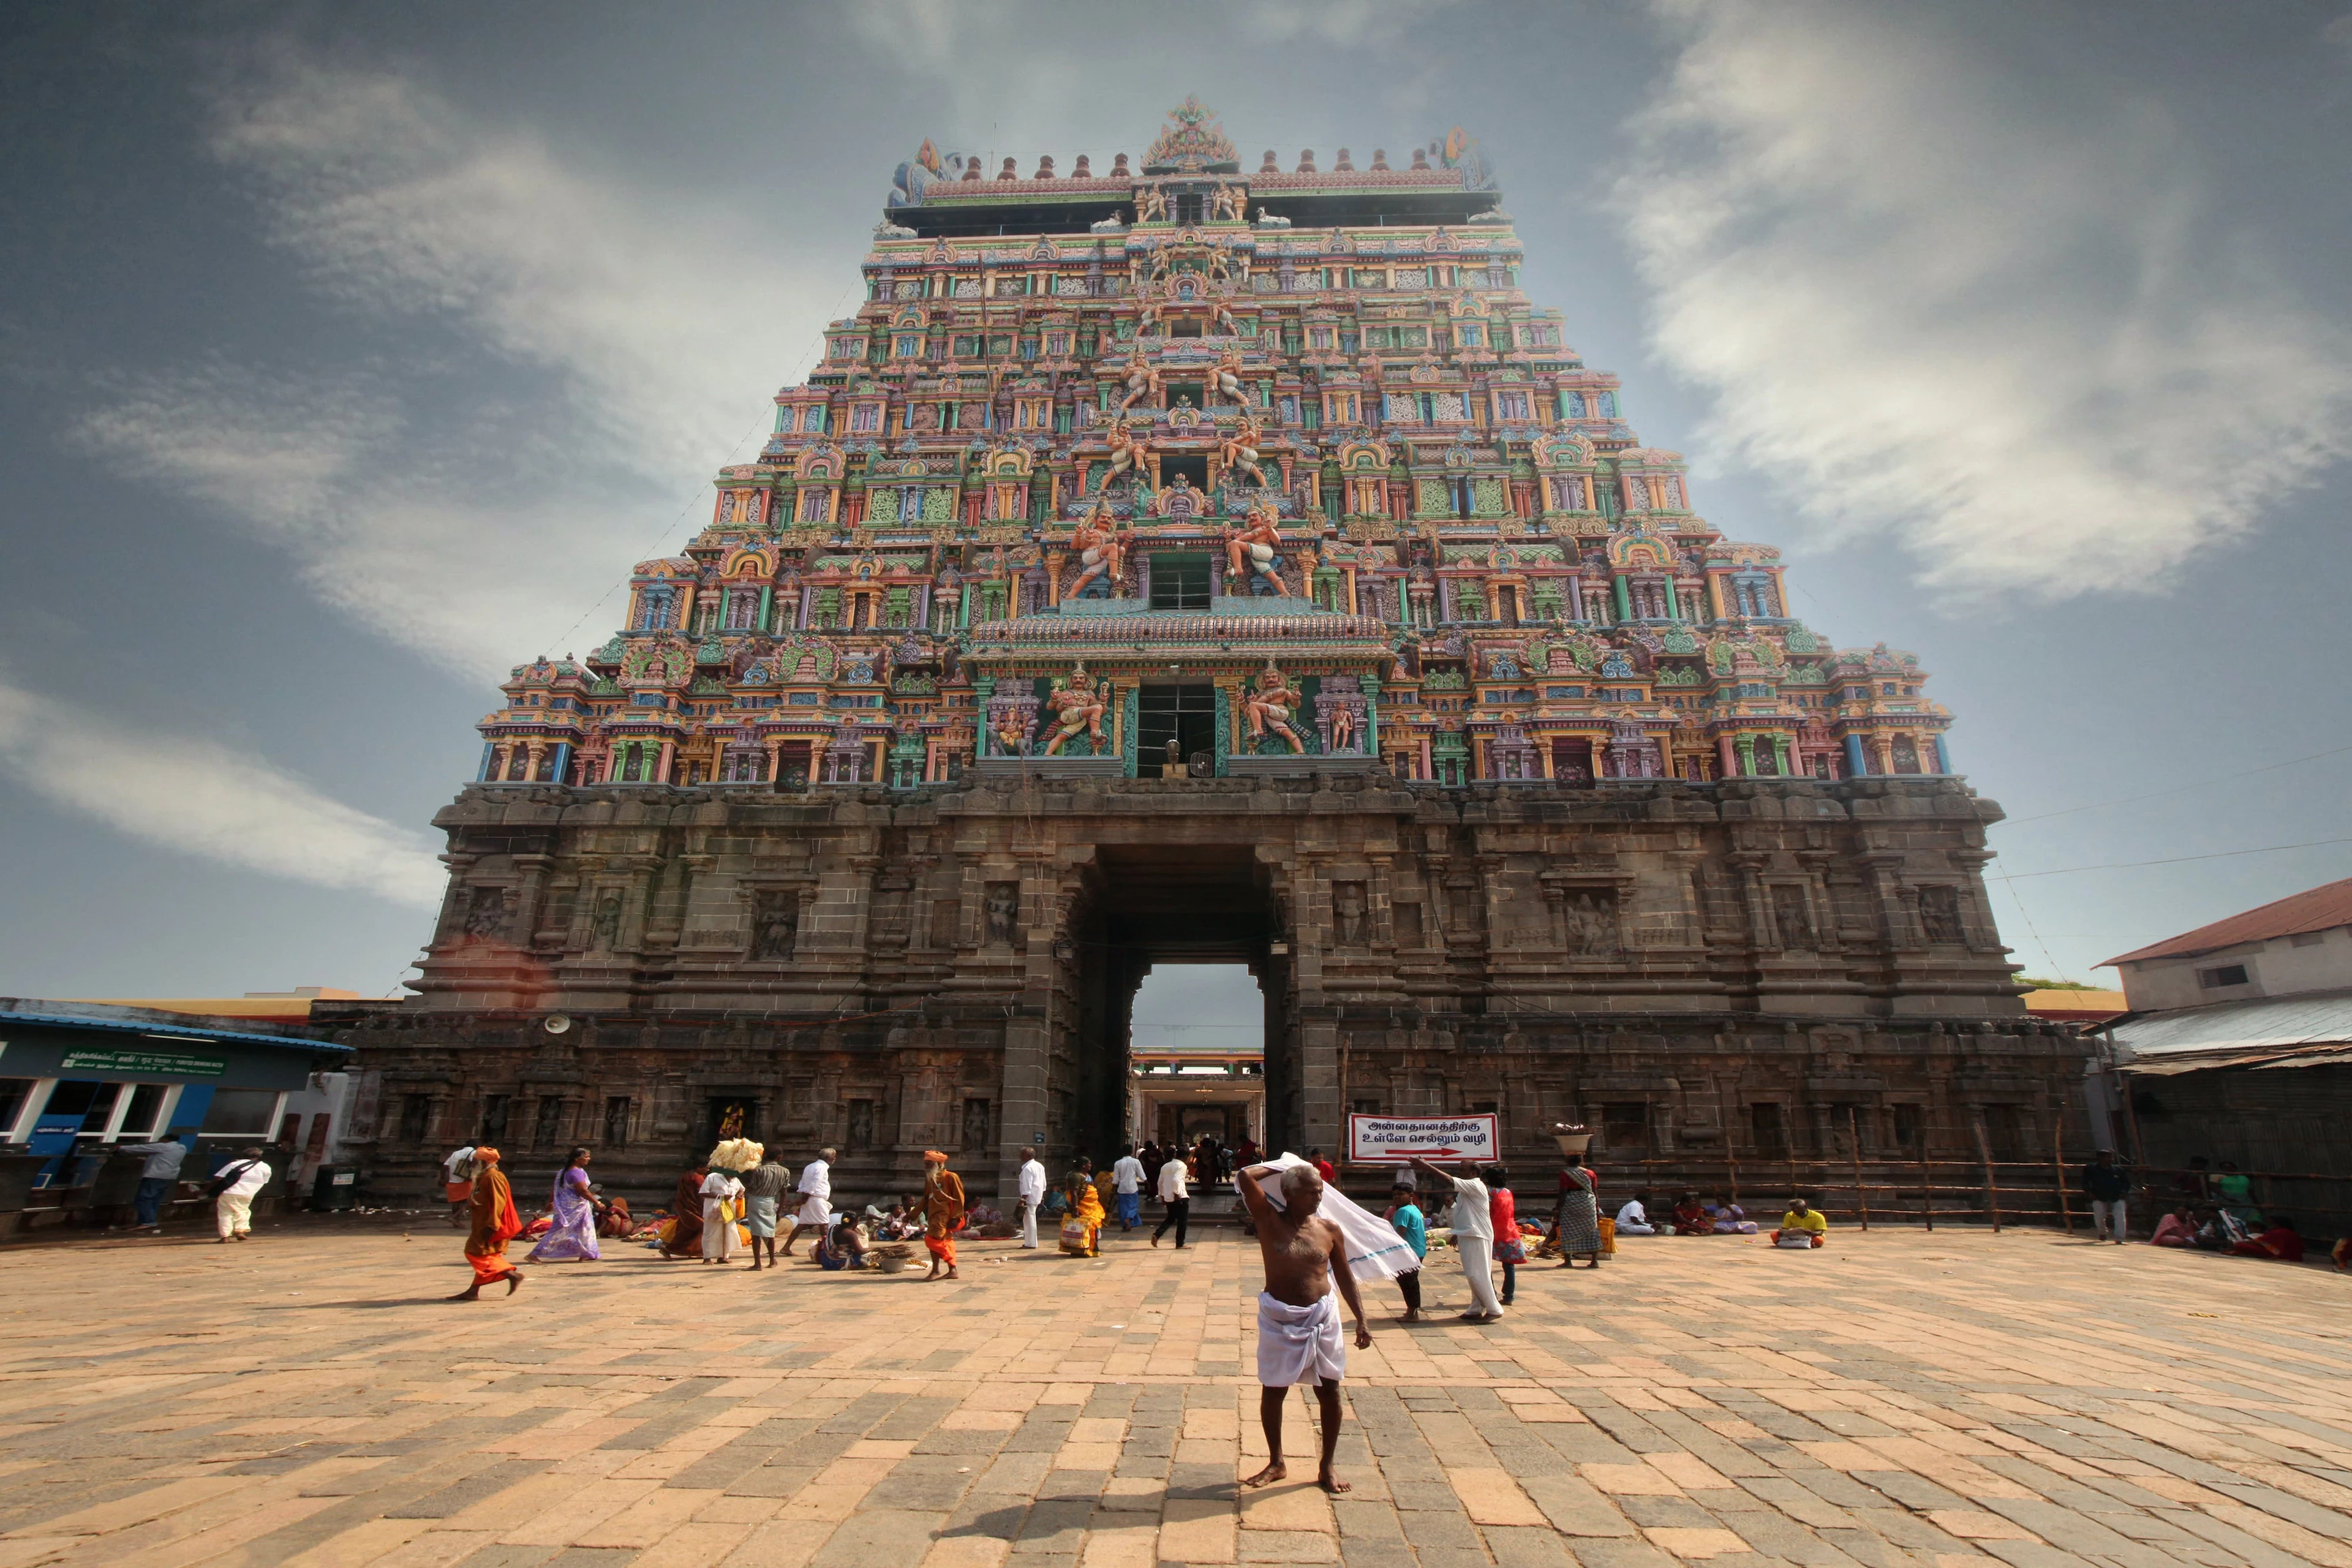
(1405, 1214)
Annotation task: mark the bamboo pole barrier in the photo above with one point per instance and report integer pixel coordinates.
(1926, 1195)
(1992, 1197)
(1853, 1147)
(2058, 1165)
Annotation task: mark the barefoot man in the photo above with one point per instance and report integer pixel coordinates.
(1297, 1316)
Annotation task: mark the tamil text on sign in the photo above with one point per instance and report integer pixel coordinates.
(1394, 1140)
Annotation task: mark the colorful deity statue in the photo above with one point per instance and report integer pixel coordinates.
(1143, 380)
(1269, 706)
(1238, 451)
(1250, 549)
(1226, 378)
(1102, 552)
(1077, 708)
(1127, 456)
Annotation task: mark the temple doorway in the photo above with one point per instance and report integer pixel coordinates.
(1181, 981)
(1196, 1050)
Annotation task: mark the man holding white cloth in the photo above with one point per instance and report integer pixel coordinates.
(1473, 1236)
(1297, 1314)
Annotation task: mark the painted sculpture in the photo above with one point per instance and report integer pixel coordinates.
(1174, 452)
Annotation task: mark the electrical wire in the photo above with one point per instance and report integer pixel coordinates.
(2178, 789)
(2171, 859)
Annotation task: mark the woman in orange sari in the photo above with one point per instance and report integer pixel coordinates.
(494, 1223)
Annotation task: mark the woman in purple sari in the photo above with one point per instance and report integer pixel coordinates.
(573, 1234)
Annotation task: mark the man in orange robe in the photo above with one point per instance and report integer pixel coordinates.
(943, 1212)
(494, 1223)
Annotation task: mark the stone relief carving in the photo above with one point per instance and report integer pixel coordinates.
(1348, 906)
(1003, 906)
(775, 923)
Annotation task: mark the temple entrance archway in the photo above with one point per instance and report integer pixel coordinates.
(1171, 909)
(1196, 1055)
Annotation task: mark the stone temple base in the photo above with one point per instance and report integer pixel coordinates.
(1754, 971)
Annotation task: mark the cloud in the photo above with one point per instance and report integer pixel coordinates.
(597, 349)
(202, 798)
(2006, 334)
(474, 551)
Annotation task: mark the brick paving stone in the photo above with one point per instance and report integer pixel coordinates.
(1899, 1398)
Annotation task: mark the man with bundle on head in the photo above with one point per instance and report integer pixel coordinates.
(1297, 1315)
(494, 1223)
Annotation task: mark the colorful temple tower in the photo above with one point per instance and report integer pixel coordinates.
(1112, 462)
(1183, 563)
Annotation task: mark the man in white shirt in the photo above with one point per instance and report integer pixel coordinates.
(457, 1185)
(233, 1208)
(1127, 1182)
(156, 1179)
(1177, 1194)
(816, 1199)
(1474, 1234)
(1032, 1196)
(1634, 1219)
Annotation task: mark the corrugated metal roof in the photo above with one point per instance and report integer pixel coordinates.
(2320, 908)
(2284, 1031)
(173, 1032)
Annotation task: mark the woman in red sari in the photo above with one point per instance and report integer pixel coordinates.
(494, 1223)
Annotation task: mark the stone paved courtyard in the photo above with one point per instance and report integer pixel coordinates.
(1902, 1397)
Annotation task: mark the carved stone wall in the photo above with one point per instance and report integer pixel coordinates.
(891, 971)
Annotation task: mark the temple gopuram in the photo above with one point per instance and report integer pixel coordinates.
(1183, 562)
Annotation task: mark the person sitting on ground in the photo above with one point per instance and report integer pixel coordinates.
(1730, 1219)
(617, 1223)
(2218, 1230)
(2278, 1240)
(1803, 1226)
(844, 1245)
(1634, 1219)
(1690, 1218)
(2177, 1229)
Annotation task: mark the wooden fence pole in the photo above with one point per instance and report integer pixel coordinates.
(1927, 1192)
(2058, 1164)
(1992, 1195)
(1853, 1143)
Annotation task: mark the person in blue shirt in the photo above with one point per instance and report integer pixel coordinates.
(1405, 1214)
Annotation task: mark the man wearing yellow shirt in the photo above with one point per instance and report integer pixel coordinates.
(1803, 1226)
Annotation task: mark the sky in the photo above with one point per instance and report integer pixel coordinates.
(350, 354)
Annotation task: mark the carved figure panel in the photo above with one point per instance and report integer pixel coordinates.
(1348, 908)
(1003, 909)
(775, 923)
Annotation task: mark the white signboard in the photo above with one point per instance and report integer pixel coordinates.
(1394, 1140)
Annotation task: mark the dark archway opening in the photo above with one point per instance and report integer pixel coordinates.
(1168, 905)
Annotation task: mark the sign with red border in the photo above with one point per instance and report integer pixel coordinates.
(1394, 1139)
